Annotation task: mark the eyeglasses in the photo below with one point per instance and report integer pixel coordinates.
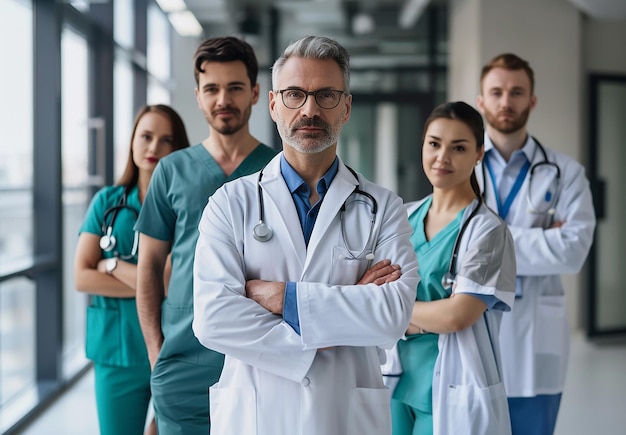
(325, 98)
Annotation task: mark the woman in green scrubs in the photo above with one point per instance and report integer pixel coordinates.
(450, 381)
(105, 267)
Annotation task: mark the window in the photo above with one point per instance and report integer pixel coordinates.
(159, 56)
(75, 154)
(17, 312)
(16, 121)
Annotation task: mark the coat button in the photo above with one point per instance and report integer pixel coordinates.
(306, 382)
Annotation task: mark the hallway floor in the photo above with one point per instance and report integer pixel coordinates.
(593, 402)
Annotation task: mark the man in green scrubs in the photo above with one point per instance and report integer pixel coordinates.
(182, 369)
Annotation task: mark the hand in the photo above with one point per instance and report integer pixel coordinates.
(102, 265)
(557, 224)
(381, 273)
(152, 357)
(269, 294)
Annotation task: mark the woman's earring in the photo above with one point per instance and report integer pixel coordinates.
(478, 163)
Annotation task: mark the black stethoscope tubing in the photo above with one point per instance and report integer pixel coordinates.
(374, 210)
(450, 276)
(263, 232)
(108, 241)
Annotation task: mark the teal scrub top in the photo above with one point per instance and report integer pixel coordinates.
(419, 352)
(179, 190)
(113, 334)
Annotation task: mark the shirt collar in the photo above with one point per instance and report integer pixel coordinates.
(295, 181)
(529, 149)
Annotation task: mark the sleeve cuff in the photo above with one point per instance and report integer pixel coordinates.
(290, 306)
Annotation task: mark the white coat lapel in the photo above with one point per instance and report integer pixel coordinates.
(280, 211)
(340, 189)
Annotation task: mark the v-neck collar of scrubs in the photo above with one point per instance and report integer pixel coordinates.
(246, 166)
(433, 255)
(418, 238)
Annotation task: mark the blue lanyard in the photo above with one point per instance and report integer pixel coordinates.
(503, 209)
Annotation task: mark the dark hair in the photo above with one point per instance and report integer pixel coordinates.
(226, 49)
(460, 111)
(179, 140)
(510, 62)
(316, 47)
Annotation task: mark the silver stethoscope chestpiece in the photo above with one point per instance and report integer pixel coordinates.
(107, 242)
(447, 280)
(262, 232)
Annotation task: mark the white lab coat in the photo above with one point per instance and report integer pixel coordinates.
(468, 391)
(534, 336)
(326, 380)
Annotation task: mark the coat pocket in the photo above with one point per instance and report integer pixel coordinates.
(551, 325)
(346, 270)
(232, 411)
(476, 411)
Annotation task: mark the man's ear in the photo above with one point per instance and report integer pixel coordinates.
(256, 89)
(272, 104)
(480, 104)
(348, 108)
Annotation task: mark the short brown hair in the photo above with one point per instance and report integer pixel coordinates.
(510, 62)
(226, 49)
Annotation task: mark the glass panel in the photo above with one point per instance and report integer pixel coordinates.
(157, 93)
(81, 5)
(377, 81)
(17, 348)
(356, 144)
(158, 51)
(123, 115)
(75, 155)
(123, 18)
(74, 134)
(412, 182)
(610, 234)
(16, 124)
(376, 134)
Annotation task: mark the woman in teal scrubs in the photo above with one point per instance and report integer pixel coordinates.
(105, 267)
(450, 381)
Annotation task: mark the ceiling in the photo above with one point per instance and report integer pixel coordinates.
(227, 16)
(609, 10)
(367, 28)
(224, 15)
(374, 31)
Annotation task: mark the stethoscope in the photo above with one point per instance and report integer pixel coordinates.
(449, 277)
(549, 197)
(263, 232)
(108, 241)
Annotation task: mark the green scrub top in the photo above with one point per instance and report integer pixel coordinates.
(179, 190)
(113, 334)
(419, 352)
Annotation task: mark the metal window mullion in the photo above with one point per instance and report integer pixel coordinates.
(47, 185)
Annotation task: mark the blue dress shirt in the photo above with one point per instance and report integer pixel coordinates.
(301, 193)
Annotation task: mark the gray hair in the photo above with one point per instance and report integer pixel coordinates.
(315, 47)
